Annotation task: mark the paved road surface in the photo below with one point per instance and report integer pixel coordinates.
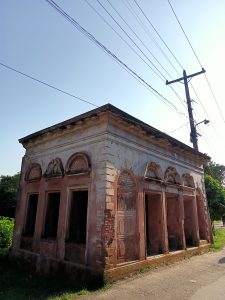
(200, 277)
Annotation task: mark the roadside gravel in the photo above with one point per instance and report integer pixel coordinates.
(200, 277)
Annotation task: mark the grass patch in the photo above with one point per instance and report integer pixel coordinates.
(217, 222)
(22, 285)
(219, 239)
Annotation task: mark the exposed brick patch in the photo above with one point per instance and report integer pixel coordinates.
(108, 232)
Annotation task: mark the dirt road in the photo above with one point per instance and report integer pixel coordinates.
(198, 278)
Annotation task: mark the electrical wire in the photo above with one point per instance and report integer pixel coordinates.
(214, 97)
(69, 94)
(183, 67)
(156, 31)
(111, 54)
(181, 64)
(161, 76)
(207, 142)
(138, 19)
(207, 80)
(60, 90)
(90, 5)
(118, 34)
(47, 84)
(185, 34)
(136, 35)
(216, 131)
(178, 128)
(145, 48)
(161, 38)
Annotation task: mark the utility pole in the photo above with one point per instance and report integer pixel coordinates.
(193, 134)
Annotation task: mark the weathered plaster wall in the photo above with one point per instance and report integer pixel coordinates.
(112, 149)
(92, 142)
(132, 152)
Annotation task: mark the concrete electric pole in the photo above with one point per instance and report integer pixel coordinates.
(193, 134)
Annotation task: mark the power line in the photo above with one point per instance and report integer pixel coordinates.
(207, 142)
(205, 111)
(180, 99)
(207, 80)
(182, 66)
(160, 47)
(57, 89)
(185, 34)
(133, 42)
(157, 33)
(47, 84)
(199, 100)
(147, 18)
(193, 135)
(214, 97)
(146, 47)
(178, 128)
(120, 36)
(138, 19)
(111, 54)
(161, 38)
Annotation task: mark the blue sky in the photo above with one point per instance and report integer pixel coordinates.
(36, 40)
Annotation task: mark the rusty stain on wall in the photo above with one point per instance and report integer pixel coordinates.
(116, 193)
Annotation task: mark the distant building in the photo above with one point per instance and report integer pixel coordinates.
(106, 194)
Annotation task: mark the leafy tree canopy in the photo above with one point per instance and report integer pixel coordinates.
(216, 197)
(216, 171)
(8, 193)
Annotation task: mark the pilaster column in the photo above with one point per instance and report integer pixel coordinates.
(181, 220)
(39, 218)
(141, 222)
(165, 244)
(195, 222)
(61, 232)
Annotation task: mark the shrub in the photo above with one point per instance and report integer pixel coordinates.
(6, 232)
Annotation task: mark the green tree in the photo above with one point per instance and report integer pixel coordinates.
(216, 171)
(8, 193)
(6, 232)
(216, 197)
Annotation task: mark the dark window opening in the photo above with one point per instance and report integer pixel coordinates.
(78, 217)
(189, 224)
(31, 215)
(147, 225)
(173, 223)
(153, 221)
(201, 218)
(52, 214)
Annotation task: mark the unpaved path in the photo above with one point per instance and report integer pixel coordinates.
(200, 277)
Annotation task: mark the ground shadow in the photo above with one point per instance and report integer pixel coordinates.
(20, 284)
(221, 260)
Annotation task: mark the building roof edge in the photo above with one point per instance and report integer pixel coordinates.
(123, 115)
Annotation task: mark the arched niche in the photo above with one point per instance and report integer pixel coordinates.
(153, 171)
(126, 181)
(54, 169)
(78, 164)
(34, 173)
(171, 176)
(187, 180)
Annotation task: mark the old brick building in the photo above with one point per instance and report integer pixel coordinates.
(106, 194)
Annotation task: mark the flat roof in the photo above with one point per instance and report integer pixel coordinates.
(124, 116)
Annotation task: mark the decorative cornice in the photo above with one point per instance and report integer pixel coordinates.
(128, 122)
